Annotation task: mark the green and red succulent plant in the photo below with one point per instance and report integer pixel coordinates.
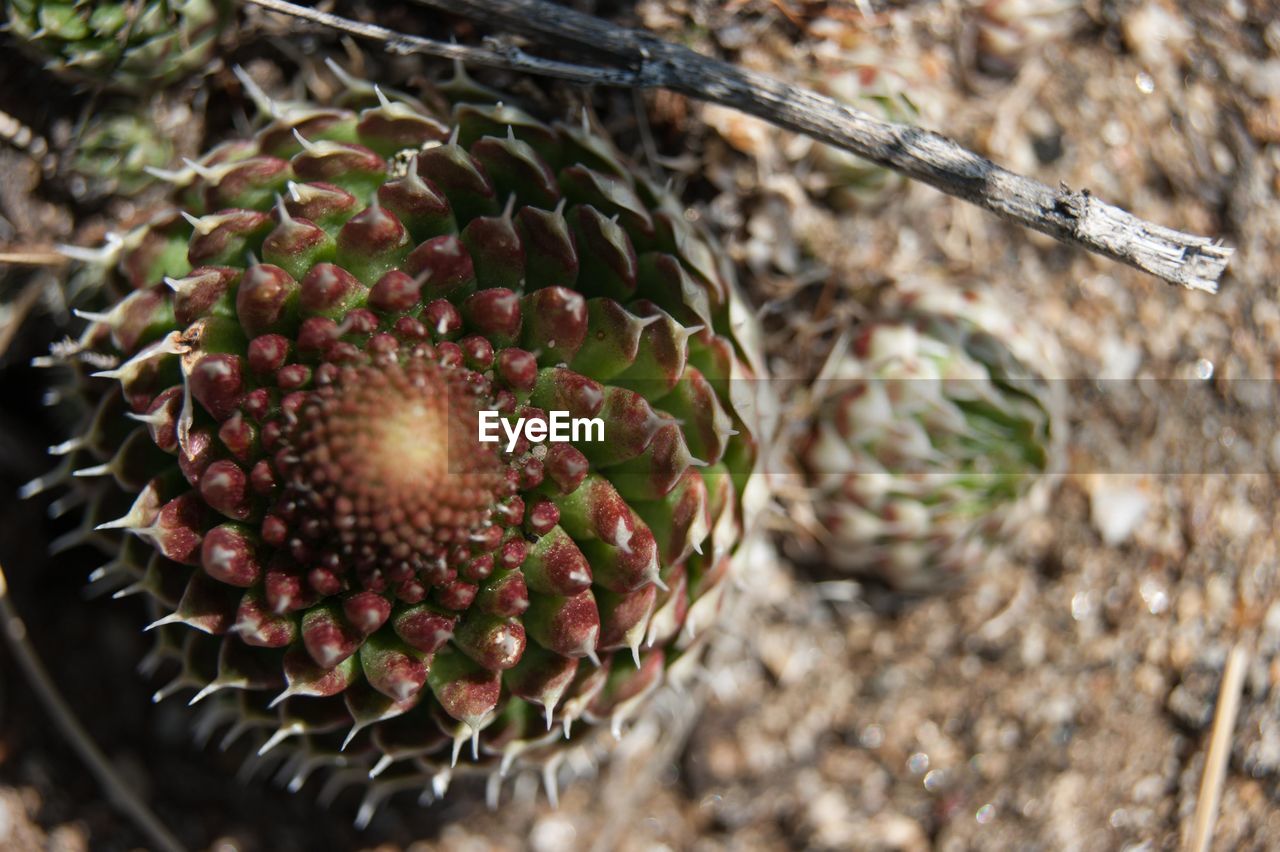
(283, 381)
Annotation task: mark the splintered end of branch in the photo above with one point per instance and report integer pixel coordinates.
(1195, 262)
(1201, 266)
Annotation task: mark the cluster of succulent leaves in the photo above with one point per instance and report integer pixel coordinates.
(282, 382)
(129, 45)
(932, 433)
(116, 152)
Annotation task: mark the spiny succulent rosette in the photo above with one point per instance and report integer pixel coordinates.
(283, 452)
(932, 435)
(121, 44)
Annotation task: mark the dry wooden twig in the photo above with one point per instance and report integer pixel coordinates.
(637, 59)
(1215, 762)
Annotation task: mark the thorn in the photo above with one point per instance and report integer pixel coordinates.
(509, 754)
(440, 782)
(288, 692)
(68, 446)
(203, 171)
(95, 470)
(383, 100)
(457, 749)
(281, 734)
(170, 176)
(104, 255)
(43, 483)
(102, 571)
(65, 504)
(493, 790)
(209, 689)
(381, 766)
(234, 733)
(92, 316)
(368, 808)
(171, 618)
(282, 212)
(129, 590)
(295, 783)
(155, 418)
(167, 690)
(265, 105)
(65, 542)
(550, 771)
(303, 141)
(622, 537)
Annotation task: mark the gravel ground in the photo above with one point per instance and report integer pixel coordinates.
(1063, 698)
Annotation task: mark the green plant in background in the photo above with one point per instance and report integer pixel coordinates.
(846, 179)
(931, 433)
(112, 153)
(133, 45)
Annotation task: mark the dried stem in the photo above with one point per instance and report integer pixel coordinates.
(114, 787)
(637, 59)
(1215, 762)
(33, 257)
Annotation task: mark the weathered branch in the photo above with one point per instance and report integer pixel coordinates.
(636, 59)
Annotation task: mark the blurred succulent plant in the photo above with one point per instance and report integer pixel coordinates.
(1008, 32)
(846, 179)
(932, 433)
(284, 385)
(133, 45)
(112, 153)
